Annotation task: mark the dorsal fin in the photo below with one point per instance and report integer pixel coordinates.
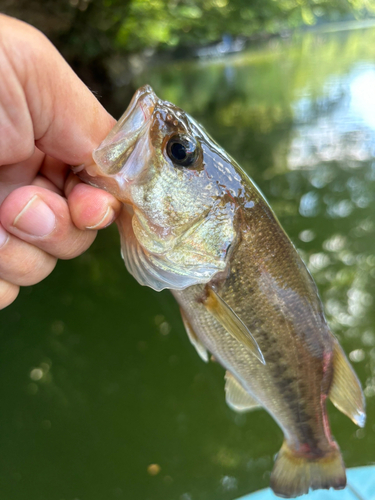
(201, 350)
(225, 315)
(345, 391)
(237, 397)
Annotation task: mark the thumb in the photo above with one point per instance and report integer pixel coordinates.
(43, 102)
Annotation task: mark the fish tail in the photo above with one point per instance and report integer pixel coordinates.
(294, 474)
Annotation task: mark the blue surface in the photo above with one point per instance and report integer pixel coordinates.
(360, 486)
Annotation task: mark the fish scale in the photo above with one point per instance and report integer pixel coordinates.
(281, 380)
(195, 223)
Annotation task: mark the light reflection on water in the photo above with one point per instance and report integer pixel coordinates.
(102, 394)
(344, 128)
(342, 137)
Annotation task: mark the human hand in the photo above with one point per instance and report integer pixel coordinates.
(48, 120)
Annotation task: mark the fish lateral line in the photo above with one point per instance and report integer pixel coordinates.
(195, 223)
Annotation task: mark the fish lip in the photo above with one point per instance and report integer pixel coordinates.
(144, 98)
(110, 156)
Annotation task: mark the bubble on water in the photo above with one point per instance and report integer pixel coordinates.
(360, 433)
(368, 338)
(340, 209)
(335, 243)
(308, 206)
(319, 261)
(165, 328)
(36, 374)
(229, 483)
(369, 391)
(357, 355)
(347, 258)
(307, 235)
(153, 469)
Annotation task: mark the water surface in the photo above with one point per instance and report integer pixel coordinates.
(103, 397)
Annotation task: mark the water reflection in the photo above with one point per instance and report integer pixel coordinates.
(343, 130)
(103, 395)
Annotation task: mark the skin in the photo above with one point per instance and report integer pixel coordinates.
(262, 277)
(269, 288)
(209, 226)
(49, 120)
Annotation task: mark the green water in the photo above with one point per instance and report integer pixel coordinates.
(97, 377)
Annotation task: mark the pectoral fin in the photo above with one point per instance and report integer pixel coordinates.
(236, 397)
(201, 350)
(225, 315)
(345, 392)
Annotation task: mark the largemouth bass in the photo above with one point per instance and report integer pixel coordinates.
(193, 222)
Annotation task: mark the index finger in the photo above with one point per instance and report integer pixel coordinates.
(43, 102)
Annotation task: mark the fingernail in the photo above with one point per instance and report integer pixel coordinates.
(106, 220)
(36, 218)
(4, 236)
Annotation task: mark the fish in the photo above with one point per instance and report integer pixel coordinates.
(192, 221)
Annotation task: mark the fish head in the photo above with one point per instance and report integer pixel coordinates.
(179, 188)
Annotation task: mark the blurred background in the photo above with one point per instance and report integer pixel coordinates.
(102, 395)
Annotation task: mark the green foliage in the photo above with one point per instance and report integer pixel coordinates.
(162, 23)
(89, 30)
(248, 97)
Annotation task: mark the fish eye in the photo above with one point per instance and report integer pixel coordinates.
(183, 150)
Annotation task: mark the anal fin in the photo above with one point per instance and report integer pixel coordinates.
(236, 397)
(346, 392)
(201, 350)
(225, 315)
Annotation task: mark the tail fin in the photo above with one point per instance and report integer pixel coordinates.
(294, 474)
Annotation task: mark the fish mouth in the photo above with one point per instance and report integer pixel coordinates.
(112, 153)
(134, 119)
